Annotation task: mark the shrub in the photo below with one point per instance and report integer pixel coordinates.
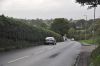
(19, 34)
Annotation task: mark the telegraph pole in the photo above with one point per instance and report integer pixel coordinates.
(94, 28)
(85, 27)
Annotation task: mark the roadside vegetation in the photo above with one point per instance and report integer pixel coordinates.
(92, 39)
(88, 41)
(16, 33)
(94, 29)
(95, 56)
(21, 33)
(60, 25)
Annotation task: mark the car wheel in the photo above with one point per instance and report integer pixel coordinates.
(54, 43)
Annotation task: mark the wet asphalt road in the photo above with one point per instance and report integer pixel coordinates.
(62, 54)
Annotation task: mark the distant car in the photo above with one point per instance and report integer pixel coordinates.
(72, 39)
(50, 40)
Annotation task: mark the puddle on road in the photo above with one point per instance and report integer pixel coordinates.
(54, 55)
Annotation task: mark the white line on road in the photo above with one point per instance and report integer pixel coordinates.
(39, 52)
(43, 50)
(18, 59)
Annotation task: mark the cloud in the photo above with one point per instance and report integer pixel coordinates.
(43, 8)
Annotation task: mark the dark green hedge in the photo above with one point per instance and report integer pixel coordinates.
(12, 32)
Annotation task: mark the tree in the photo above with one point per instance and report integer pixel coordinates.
(80, 24)
(71, 32)
(38, 23)
(97, 28)
(91, 3)
(60, 25)
(15, 33)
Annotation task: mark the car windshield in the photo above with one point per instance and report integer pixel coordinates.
(49, 38)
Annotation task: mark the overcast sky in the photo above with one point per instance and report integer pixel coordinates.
(45, 9)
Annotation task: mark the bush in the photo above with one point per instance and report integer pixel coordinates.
(98, 40)
(95, 57)
(19, 34)
(97, 61)
(95, 53)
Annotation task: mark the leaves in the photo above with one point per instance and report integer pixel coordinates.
(60, 25)
(15, 31)
(89, 2)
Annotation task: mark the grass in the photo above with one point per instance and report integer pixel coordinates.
(97, 61)
(88, 41)
(95, 57)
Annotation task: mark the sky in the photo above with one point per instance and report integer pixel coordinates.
(46, 9)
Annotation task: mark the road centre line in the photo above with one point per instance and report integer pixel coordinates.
(27, 56)
(18, 59)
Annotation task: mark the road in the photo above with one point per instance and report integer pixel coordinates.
(84, 57)
(62, 54)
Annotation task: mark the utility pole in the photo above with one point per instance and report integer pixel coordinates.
(80, 31)
(85, 27)
(94, 28)
(93, 31)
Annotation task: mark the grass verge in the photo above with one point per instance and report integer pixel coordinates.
(95, 57)
(88, 41)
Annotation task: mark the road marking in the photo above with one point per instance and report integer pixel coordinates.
(18, 59)
(50, 48)
(39, 52)
(44, 50)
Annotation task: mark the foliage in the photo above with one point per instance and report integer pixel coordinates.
(72, 25)
(97, 61)
(80, 24)
(89, 2)
(89, 26)
(90, 41)
(38, 23)
(71, 32)
(97, 31)
(97, 27)
(15, 33)
(95, 57)
(60, 25)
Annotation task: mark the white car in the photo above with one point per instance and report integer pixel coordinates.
(72, 39)
(50, 40)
